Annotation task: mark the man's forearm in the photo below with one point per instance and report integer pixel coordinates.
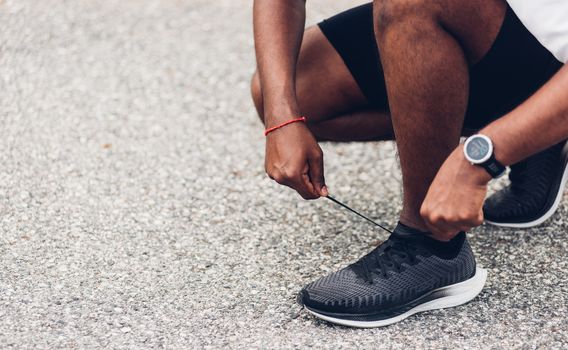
(540, 122)
(278, 31)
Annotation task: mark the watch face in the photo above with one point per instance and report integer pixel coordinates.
(477, 149)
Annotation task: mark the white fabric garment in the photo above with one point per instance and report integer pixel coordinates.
(547, 20)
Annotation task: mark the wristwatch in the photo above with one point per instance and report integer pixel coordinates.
(478, 150)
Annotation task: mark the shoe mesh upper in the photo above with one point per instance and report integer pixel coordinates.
(347, 291)
(534, 184)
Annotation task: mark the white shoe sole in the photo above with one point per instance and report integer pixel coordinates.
(552, 209)
(454, 295)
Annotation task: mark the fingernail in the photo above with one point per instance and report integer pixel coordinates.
(324, 191)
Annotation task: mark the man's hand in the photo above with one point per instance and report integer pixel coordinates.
(455, 199)
(294, 159)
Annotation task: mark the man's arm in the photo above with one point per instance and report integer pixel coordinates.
(293, 157)
(455, 198)
(540, 122)
(278, 32)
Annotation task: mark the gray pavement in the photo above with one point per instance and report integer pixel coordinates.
(135, 212)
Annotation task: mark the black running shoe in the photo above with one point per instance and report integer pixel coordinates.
(407, 274)
(535, 192)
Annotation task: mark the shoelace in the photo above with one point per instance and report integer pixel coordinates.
(391, 254)
(357, 213)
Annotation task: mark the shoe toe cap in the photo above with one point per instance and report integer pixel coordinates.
(342, 291)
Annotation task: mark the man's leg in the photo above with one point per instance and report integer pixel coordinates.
(330, 97)
(427, 76)
(426, 50)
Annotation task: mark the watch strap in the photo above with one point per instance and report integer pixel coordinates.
(494, 167)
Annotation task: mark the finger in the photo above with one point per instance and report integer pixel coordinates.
(445, 235)
(454, 230)
(302, 186)
(471, 222)
(460, 225)
(304, 181)
(464, 228)
(316, 174)
(451, 229)
(444, 225)
(306, 194)
(441, 230)
(279, 177)
(294, 180)
(479, 219)
(309, 187)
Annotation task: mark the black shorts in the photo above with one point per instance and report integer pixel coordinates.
(514, 68)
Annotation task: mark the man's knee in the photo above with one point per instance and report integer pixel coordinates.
(256, 92)
(391, 12)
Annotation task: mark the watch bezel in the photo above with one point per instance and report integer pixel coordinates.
(486, 157)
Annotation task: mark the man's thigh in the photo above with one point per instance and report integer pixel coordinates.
(339, 70)
(324, 86)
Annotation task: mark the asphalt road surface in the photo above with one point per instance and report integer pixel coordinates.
(135, 212)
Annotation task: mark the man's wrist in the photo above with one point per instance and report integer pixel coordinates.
(500, 150)
(475, 173)
(278, 116)
(482, 177)
(480, 151)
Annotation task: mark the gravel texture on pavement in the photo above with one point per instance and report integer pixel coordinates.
(135, 212)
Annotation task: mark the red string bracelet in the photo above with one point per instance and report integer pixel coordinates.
(269, 130)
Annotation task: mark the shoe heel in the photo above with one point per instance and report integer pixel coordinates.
(457, 294)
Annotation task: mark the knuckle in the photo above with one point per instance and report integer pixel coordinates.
(479, 220)
(456, 217)
(307, 195)
(459, 216)
(286, 173)
(318, 153)
(435, 218)
(466, 216)
(276, 176)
